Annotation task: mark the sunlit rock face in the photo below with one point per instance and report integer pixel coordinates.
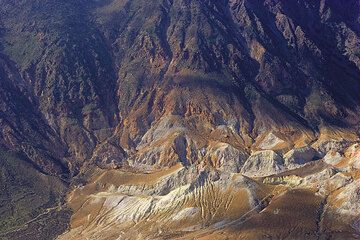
(179, 119)
(263, 163)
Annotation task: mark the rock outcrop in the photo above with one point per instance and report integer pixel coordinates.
(299, 156)
(263, 163)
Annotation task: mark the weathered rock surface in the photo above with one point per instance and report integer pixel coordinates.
(227, 158)
(299, 156)
(350, 199)
(333, 157)
(198, 199)
(353, 153)
(271, 141)
(263, 163)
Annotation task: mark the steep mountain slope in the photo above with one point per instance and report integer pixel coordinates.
(145, 110)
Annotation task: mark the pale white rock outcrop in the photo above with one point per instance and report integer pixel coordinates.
(353, 150)
(350, 199)
(229, 158)
(166, 184)
(178, 147)
(339, 180)
(168, 125)
(270, 141)
(119, 207)
(333, 157)
(186, 213)
(319, 177)
(263, 163)
(354, 155)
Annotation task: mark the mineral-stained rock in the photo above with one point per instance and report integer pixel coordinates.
(339, 180)
(333, 157)
(198, 196)
(349, 199)
(227, 158)
(353, 153)
(271, 141)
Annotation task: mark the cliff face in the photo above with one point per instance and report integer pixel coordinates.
(144, 86)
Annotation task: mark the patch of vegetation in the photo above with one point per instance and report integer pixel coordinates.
(26, 195)
(23, 50)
